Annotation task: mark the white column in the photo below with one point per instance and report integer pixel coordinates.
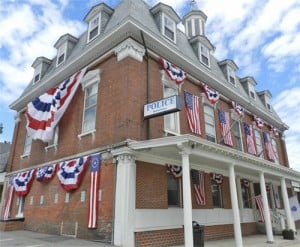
(125, 201)
(270, 238)
(187, 199)
(235, 208)
(287, 207)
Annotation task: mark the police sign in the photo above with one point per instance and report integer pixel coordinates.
(162, 107)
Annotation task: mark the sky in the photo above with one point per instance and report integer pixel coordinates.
(262, 37)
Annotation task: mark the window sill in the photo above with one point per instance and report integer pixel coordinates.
(171, 133)
(54, 146)
(91, 132)
(23, 156)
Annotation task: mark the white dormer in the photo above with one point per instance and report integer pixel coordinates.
(249, 85)
(97, 19)
(229, 69)
(203, 49)
(64, 45)
(167, 20)
(266, 97)
(194, 22)
(40, 65)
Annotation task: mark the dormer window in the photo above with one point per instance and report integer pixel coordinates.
(231, 75)
(37, 74)
(169, 28)
(40, 65)
(204, 55)
(61, 54)
(252, 92)
(94, 28)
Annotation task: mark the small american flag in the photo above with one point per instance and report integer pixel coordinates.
(192, 111)
(94, 187)
(260, 207)
(269, 147)
(225, 127)
(9, 197)
(249, 138)
(198, 183)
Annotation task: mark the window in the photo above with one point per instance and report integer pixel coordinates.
(53, 143)
(194, 27)
(20, 204)
(246, 195)
(259, 146)
(274, 145)
(231, 75)
(37, 74)
(204, 55)
(27, 145)
(61, 54)
(90, 103)
(94, 28)
(252, 91)
(173, 190)
(171, 121)
(216, 194)
(209, 119)
(169, 28)
(236, 129)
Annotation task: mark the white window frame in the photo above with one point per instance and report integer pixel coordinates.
(238, 124)
(20, 204)
(258, 143)
(252, 92)
(62, 51)
(246, 196)
(179, 190)
(274, 145)
(93, 25)
(231, 74)
(27, 146)
(204, 52)
(166, 20)
(208, 123)
(168, 84)
(37, 74)
(216, 188)
(192, 31)
(92, 78)
(54, 142)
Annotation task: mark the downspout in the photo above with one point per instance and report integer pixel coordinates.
(147, 82)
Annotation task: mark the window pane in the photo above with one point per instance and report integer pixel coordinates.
(209, 123)
(173, 191)
(237, 135)
(93, 33)
(89, 120)
(216, 194)
(197, 26)
(246, 197)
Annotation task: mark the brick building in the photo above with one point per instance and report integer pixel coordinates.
(180, 136)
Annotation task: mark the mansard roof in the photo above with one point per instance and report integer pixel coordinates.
(135, 19)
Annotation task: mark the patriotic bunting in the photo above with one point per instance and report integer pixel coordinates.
(211, 94)
(272, 155)
(8, 200)
(70, 173)
(198, 184)
(44, 112)
(260, 207)
(218, 178)
(238, 108)
(259, 122)
(192, 111)
(274, 131)
(173, 72)
(94, 187)
(245, 183)
(23, 181)
(176, 171)
(45, 173)
(225, 127)
(249, 139)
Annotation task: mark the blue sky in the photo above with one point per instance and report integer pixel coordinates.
(262, 37)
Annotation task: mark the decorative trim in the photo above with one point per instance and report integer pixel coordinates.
(130, 48)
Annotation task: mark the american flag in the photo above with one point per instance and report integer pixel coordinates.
(94, 187)
(225, 127)
(192, 111)
(260, 207)
(8, 201)
(45, 111)
(249, 138)
(198, 183)
(269, 147)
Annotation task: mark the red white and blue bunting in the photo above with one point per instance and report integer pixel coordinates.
(211, 94)
(175, 171)
(70, 172)
(259, 122)
(238, 108)
(45, 173)
(45, 111)
(218, 178)
(176, 74)
(274, 131)
(246, 183)
(22, 182)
